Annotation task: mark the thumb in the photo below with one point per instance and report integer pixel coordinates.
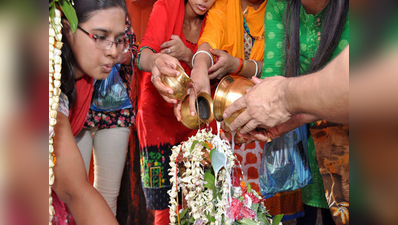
(216, 52)
(256, 80)
(174, 37)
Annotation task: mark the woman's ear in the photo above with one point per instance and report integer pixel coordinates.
(67, 31)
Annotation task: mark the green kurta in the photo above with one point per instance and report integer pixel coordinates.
(274, 60)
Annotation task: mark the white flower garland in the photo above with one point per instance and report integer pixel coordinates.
(55, 61)
(199, 200)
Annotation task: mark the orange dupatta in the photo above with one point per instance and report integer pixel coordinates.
(224, 28)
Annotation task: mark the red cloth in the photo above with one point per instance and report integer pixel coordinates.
(78, 114)
(155, 118)
(162, 217)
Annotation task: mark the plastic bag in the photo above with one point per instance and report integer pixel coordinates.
(110, 94)
(285, 165)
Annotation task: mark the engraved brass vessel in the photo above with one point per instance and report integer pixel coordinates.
(203, 111)
(178, 84)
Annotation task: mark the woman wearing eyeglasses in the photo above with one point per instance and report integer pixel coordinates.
(88, 54)
(107, 126)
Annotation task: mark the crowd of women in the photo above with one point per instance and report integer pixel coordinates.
(209, 39)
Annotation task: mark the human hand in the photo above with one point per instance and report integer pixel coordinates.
(176, 48)
(199, 83)
(164, 65)
(224, 65)
(265, 105)
(124, 58)
(267, 135)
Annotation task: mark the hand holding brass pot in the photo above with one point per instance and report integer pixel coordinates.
(230, 89)
(203, 111)
(178, 84)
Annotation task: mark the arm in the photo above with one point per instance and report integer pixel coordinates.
(200, 80)
(374, 91)
(322, 95)
(176, 48)
(71, 183)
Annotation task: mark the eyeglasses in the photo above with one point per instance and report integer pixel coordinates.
(102, 43)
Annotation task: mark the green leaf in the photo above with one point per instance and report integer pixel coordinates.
(262, 218)
(182, 214)
(52, 11)
(247, 221)
(70, 13)
(204, 144)
(210, 218)
(249, 188)
(254, 207)
(193, 145)
(241, 198)
(277, 219)
(209, 179)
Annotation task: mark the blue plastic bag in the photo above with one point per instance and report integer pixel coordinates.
(110, 94)
(285, 165)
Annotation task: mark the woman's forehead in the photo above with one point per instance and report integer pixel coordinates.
(112, 20)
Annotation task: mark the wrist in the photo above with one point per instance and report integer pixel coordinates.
(188, 56)
(287, 96)
(237, 64)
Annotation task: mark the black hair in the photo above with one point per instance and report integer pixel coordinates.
(335, 17)
(84, 10)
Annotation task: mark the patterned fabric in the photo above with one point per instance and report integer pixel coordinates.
(332, 150)
(63, 106)
(121, 117)
(248, 45)
(274, 58)
(247, 38)
(104, 120)
(158, 128)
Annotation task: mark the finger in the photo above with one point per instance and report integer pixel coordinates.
(215, 67)
(175, 37)
(164, 51)
(162, 89)
(225, 136)
(167, 44)
(250, 126)
(240, 121)
(216, 52)
(256, 80)
(216, 74)
(259, 136)
(236, 106)
(248, 90)
(177, 110)
(192, 98)
(168, 69)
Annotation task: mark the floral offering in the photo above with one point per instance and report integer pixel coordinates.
(205, 183)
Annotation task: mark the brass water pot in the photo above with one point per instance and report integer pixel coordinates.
(203, 111)
(230, 89)
(178, 84)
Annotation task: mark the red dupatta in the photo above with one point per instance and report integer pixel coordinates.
(78, 114)
(167, 18)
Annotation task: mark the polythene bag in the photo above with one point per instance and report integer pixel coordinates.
(285, 165)
(110, 94)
